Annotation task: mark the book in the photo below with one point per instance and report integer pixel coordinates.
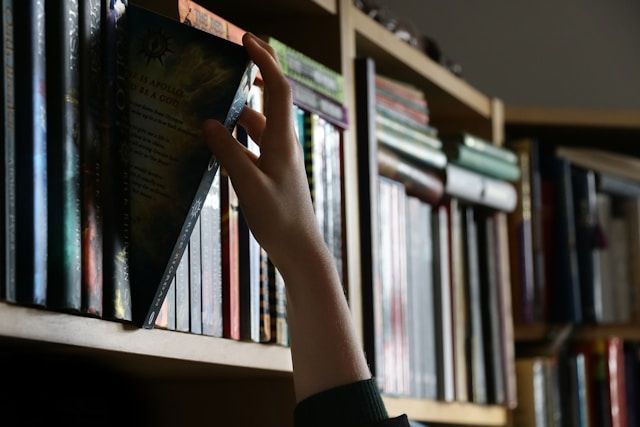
(115, 177)
(196, 274)
(443, 306)
(230, 261)
(617, 388)
(170, 298)
(587, 245)
(425, 185)
(319, 104)
(479, 189)
(418, 116)
(632, 214)
(63, 155)
(308, 71)
(401, 90)
(214, 235)
(531, 394)
(400, 130)
(480, 145)
(607, 298)
(265, 309)
(182, 292)
(618, 186)
(31, 153)
(171, 168)
(481, 162)
(9, 162)
(476, 333)
(602, 161)
(92, 141)
(278, 307)
(413, 150)
(620, 285)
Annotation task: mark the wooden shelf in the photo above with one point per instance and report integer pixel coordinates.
(541, 332)
(273, 7)
(627, 332)
(456, 413)
(448, 95)
(572, 117)
(42, 326)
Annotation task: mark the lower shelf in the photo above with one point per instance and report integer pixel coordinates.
(42, 326)
(456, 413)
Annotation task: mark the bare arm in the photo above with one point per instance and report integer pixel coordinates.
(276, 203)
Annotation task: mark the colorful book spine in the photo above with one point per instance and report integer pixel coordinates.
(418, 105)
(230, 262)
(214, 240)
(63, 156)
(397, 116)
(278, 307)
(317, 103)
(617, 378)
(480, 162)
(413, 150)
(31, 157)
(92, 120)
(116, 284)
(308, 71)
(265, 311)
(482, 146)
(417, 116)
(401, 90)
(191, 13)
(9, 153)
(400, 130)
(196, 274)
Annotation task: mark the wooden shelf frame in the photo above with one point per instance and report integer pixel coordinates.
(456, 413)
(542, 332)
(572, 117)
(43, 326)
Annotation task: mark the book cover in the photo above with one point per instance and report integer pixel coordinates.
(479, 189)
(31, 155)
(178, 77)
(212, 253)
(230, 261)
(63, 155)
(443, 306)
(196, 274)
(115, 176)
(9, 154)
(92, 139)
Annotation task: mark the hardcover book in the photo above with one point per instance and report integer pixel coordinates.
(178, 77)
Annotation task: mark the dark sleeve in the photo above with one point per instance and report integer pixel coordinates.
(352, 405)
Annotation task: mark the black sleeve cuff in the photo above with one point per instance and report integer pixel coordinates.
(352, 405)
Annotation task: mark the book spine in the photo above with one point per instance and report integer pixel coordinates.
(474, 310)
(31, 157)
(632, 215)
(337, 185)
(265, 313)
(443, 307)
(404, 120)
(615, 362)
(485, 164)
(170, 298)
(182, 293)
(116, 285)
(401, 90)
(413, 150)
(307, 71)
(415, 105)
(618, 186)
(9, 137)
(417, 116)
(319, 104)
(214, 240)
(427, 320)
(620, 257)
(414, 296)
(584, 191)
(537, 231)
(329, 187)
(521, 245)
(92, 119)
(196, 274)
(63, 157)
(162, 321)
(607, 261)
(498, 153)
(203, 19)
(479, 189)
(401, 130)
(230, 267)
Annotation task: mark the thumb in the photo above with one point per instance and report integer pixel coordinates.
(234, 157)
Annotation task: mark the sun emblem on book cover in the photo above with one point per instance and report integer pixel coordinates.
(156, 45)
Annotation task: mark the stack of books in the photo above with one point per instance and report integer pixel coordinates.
(438, 257)
(576, 236)
(120, 214)
(595, 383)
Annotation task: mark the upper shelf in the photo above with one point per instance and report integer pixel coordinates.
(572, 117)
(452, 95)
(274, 7)
(95, 334)
(455, 413)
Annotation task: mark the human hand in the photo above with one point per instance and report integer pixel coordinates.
(272, 188)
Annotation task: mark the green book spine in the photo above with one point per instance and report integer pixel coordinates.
(305, 70)
(485, 164)
(483, 146)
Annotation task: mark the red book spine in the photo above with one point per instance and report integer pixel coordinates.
(401, 108)
(413, 95)
(230, 266)
(617, 391)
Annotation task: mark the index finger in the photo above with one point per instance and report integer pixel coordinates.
(278, 98)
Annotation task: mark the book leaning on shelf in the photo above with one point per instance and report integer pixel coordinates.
(433, 254)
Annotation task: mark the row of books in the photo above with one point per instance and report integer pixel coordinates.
(575, 239)
(101, 203)
(437, 251)
(595, 383)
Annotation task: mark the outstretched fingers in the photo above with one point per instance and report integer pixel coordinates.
(253, 122)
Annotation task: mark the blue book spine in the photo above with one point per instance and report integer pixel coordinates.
(8, 115)
(31, 157)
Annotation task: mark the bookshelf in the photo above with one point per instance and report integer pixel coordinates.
(335, 33)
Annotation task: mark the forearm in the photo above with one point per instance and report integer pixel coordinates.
(324, 345)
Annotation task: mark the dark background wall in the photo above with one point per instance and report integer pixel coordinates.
(570, 53)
